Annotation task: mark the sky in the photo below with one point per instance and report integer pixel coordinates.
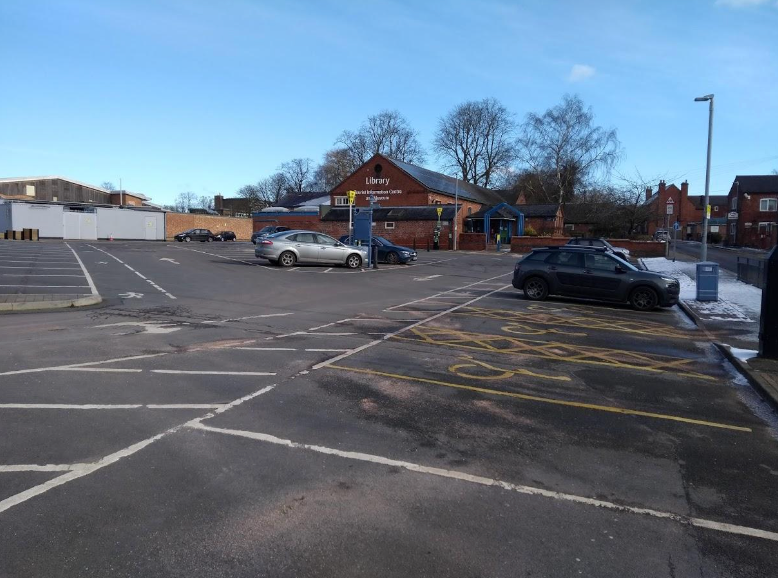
(203, 96)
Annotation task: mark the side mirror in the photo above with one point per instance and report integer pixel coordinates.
(339, 244)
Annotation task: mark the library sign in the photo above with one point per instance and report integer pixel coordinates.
(378, 194)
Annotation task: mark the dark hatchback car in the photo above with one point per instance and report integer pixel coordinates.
(226, 236)
(592, 273)
(195, 235)
(266, 231)
(388, 252)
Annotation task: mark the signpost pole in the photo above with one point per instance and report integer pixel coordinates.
(675, 239)
(351, 195)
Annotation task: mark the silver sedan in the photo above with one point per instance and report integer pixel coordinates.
(291, 247)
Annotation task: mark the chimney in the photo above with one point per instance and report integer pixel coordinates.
(661, 187)
(684, 190)
(648, 193)
(218, 203)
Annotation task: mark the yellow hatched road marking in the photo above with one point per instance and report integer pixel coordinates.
(545, 315)
(526, 397)
(617, 358)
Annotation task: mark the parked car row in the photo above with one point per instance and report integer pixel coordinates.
(288, 248)
(204, 235)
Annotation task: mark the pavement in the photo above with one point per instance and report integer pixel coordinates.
(43, 275)
(726, 257)
(219, 417)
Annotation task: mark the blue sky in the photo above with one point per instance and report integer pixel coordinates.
(174, 95)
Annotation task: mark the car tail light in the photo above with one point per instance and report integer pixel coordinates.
(265, 242)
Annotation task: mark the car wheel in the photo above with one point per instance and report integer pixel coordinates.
(353, 261)
(644, 299)
(209, 239)
(535, 289)
(393, 258)
(187, 239)
(287, 259)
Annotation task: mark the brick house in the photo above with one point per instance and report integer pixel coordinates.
(673, 204)
(752, 214)
(414, 193)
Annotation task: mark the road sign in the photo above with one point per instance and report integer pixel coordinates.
(677, 226)
(707, 211)
(351, 196)
(440, 211)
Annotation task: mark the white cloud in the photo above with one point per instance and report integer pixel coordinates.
(740, 3)
(580, 72)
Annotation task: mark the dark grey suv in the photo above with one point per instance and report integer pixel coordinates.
(592, 274)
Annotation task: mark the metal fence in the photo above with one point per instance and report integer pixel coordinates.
(751, 271)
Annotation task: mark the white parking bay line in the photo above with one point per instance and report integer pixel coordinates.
(39, 268)
(51, 286)
(97, 369)
(40, 468)
(157, 287)
(195, 372)
(111, 406)
(85, 364)
(36, 275)
(250, 317)
(484, 481)
(86, 273)
(266, 348)
(329, 350)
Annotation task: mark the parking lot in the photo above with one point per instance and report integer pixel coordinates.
(41, 269)
(218, 416)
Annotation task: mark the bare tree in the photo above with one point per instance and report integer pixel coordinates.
(298, 174)
(252, 195)
(184, 201)
(107, 185)
(564, 144)
(336, 166)
(476, 140)
(205, 202)
(388, 133)
(273, 188)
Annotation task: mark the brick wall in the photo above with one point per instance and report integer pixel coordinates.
(178, 222)
(748, 212)
(635, 248)
(291, 220)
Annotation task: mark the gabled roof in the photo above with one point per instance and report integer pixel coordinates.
(699, 200)
(446, 185)
(421, 213)
(756, 183)
(546, 210)
(49, 178)
(294, 200)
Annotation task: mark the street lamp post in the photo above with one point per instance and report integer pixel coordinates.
(706, 208)
(456, 212)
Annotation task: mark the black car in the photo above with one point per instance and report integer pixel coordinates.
(592, 273)
(225, 236)
(620, 252)
(387, 251)
(195, 235)
(267, 230)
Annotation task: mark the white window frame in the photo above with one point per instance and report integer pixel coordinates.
(715, 208)
(765, 228)
(767, 203)
(389, 225)
(733, 206)
(341, 201)
(733, 229)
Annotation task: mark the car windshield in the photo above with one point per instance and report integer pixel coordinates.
(267, 230)
(382, 241)
(623, 263)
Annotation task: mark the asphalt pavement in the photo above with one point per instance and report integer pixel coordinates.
(726, 257)
(216, 416)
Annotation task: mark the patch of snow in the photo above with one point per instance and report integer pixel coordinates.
(738, 301)
(743, 354)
